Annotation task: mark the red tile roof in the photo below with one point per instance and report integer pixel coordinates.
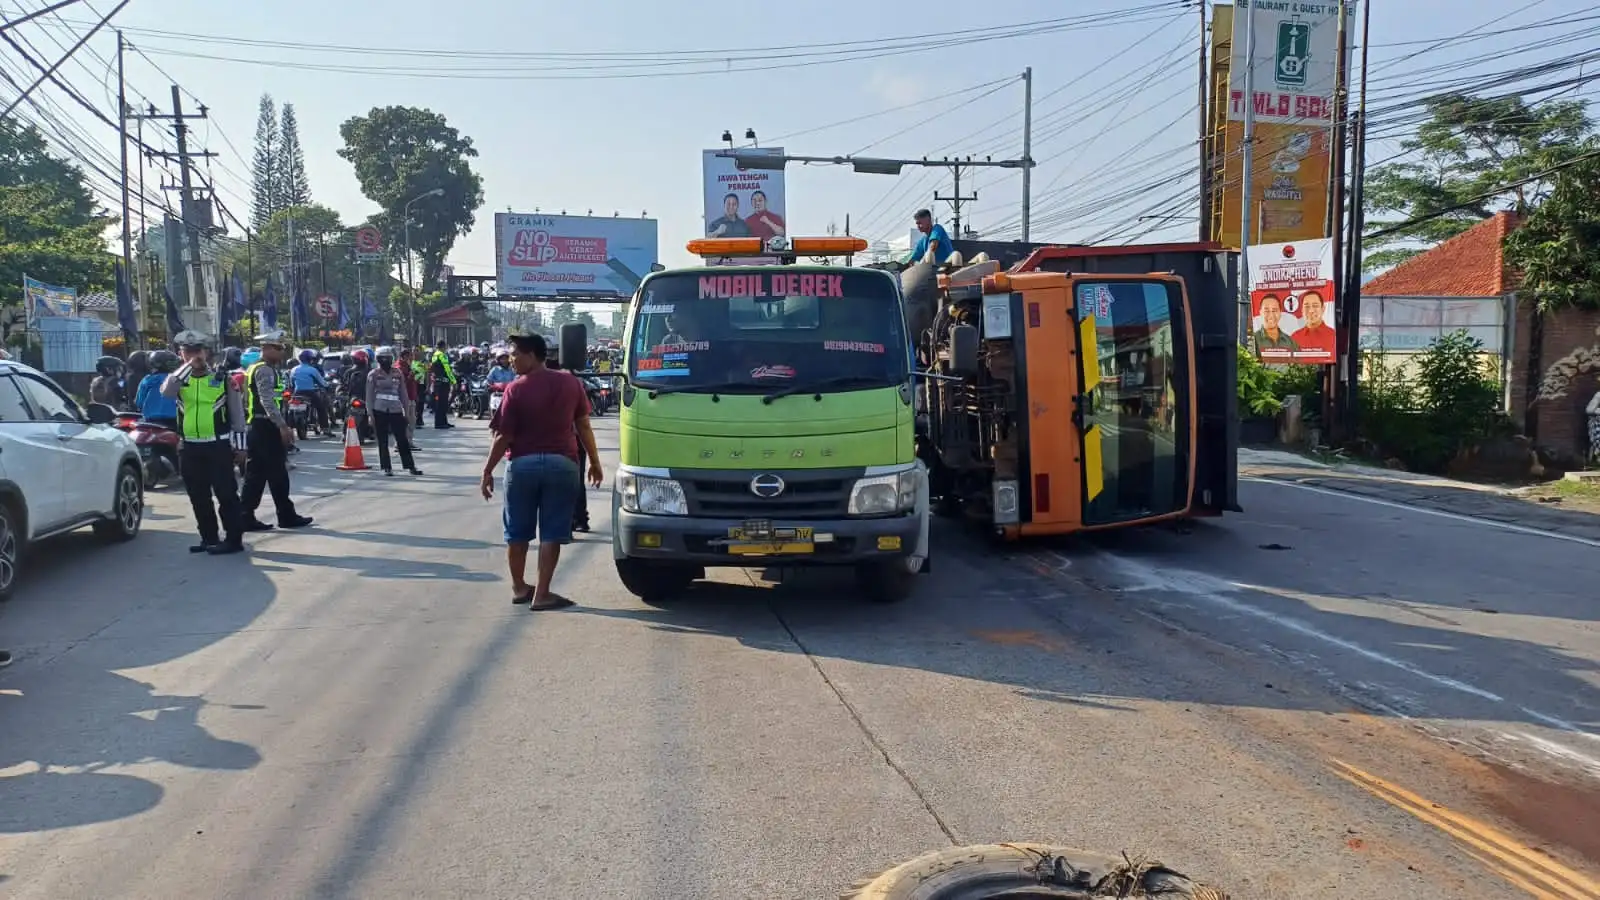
(1471, 264)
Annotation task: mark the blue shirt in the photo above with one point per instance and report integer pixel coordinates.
(306, 377)
(500, 375)
(940, 239)
(149, 400)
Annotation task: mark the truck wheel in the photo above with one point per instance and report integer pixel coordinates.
(889, 581)
(1033, 870)
(655, 582)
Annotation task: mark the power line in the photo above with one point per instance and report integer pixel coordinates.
(718, 55)
(893, 109)
(1483, 197)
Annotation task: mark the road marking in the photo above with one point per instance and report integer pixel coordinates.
(1439, 513)
(1539, 875)
(1142, 577)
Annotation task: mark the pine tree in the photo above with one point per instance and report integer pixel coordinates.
(264, 193)
(294, 186)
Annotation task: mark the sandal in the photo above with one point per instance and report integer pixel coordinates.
(551, 601)
(519, 599)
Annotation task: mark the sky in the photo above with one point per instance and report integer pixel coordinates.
(1115, 98)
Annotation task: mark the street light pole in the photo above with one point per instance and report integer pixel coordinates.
(411, 286)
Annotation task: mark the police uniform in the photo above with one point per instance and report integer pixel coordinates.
(444, 380)
(268, 466)
(211, 422)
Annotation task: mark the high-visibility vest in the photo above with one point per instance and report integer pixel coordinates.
(253, 404)
(202, 407)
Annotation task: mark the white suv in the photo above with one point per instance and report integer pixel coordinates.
(61, 468)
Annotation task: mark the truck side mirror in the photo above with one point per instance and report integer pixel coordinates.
(964, 350)
(574, 346)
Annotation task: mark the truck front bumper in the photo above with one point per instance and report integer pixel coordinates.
(698, 540)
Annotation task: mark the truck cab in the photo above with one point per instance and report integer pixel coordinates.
(1085, 388)
(767, 419)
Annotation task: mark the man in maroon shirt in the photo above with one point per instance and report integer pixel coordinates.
(544, 415)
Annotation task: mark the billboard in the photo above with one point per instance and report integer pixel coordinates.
(1294, 77)
(743, 203)
(544, 256)
(1291, 302)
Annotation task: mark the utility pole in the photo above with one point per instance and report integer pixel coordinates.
(195, 210)
(1027, 150)
(122, 141)
(1335, 411)
(955, 199)
(1352, 287)
(1247, 162)
(1205, 134)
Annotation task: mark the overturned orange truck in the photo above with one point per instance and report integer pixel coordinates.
(1083, 388)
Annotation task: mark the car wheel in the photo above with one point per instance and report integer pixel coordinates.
(127, 513)
(10, 551)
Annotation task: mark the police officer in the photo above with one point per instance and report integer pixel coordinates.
(211, 421)
(444, 382)
(269, 437)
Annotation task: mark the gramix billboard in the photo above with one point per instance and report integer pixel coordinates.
(544, 256)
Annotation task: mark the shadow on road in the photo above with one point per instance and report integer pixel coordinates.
(379, 566)
(70, 717)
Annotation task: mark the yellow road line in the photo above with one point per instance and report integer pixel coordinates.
(1507, 857)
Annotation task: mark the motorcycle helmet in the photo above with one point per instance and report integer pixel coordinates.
(139, 361)
(250, 357)
(232, 357)
(164, 361)
(360, 358)
(308, 356)
(108, 366)
(385, 357)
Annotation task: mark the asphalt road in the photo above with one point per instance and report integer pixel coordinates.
(1321, 697)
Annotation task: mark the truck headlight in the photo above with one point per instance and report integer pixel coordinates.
(883, 495)
(651, 495)
(1006, 511)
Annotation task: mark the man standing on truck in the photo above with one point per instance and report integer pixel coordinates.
(934, 239)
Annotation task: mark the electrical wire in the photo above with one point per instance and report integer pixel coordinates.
(950, 95)
(718, 55)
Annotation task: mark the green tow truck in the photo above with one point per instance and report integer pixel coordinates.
(767, 420)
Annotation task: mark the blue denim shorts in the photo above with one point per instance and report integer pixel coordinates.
(540, 498)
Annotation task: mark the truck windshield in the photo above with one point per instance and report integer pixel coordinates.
(756, 330)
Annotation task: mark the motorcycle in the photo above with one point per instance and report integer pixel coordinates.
(497, 395)
(478, 395)
(298, 412)
(158, 449)
(599, 395)
(354, 408)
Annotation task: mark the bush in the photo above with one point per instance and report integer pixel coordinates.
(1453, 404)
(1256, 386)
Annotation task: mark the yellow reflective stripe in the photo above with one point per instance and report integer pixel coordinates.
(1094, 476)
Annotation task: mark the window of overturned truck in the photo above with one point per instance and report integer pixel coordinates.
(754, 330)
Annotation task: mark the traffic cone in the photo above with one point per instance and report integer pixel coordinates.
(354, 461)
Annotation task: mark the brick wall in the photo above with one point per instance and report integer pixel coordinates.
(1562, 428)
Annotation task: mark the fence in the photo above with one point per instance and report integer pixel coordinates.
(1394, 330)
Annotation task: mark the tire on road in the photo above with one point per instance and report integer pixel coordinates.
(11, 548)
(127, 509)
(653, 581)
(888, 581)
(1041, 870)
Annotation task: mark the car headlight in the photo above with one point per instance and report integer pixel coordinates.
(651, 495)
(882, 495)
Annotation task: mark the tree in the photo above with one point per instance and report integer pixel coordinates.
(1468, 147)
(50, 226)
(564, 313)
(402, 152)
(1557, 250)
(295, 187)
(264, 188)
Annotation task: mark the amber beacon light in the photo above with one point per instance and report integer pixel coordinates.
(778, 246)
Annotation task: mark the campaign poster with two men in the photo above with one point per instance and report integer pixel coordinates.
(743, 202)
(1291, 302)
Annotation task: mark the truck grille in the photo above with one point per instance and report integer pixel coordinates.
(807, 494)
